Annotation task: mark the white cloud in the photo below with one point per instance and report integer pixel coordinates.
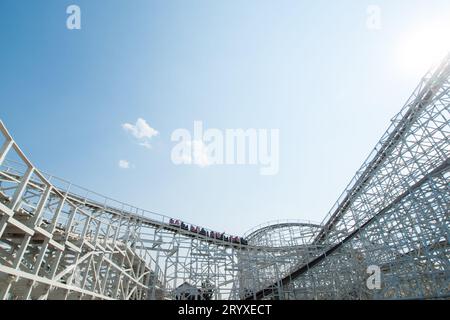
(141, 131)
(145, 144)
(124, 164)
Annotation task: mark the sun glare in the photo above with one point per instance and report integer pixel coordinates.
(424, 47)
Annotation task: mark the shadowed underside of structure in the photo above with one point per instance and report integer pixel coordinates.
(60, 241)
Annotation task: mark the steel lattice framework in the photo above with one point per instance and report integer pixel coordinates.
(60, 241)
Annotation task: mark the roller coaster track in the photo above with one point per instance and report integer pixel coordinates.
(41, 221)
(306, 267)
(77, 200)
(60, 241)
(430, 101)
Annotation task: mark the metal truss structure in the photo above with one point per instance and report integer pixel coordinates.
(60, 241)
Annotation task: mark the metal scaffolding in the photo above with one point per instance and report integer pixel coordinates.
(60, 241)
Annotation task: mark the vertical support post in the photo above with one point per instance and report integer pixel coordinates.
(5, 149)
(37, 265)
(16, 263)
(3, 222)
(15, 202)
(56, 215)
(40, 208)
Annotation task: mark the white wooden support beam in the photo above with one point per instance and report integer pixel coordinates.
(5, 149)
(70, 222)
(86, 272)
(37, 266)
(56, 215)
(21, 252)
(50, 283)
(3, 222)
(41, 206)
(15, 202)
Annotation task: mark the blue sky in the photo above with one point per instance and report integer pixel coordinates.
(311, 69)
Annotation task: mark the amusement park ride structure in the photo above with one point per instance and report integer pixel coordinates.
(60, 241)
